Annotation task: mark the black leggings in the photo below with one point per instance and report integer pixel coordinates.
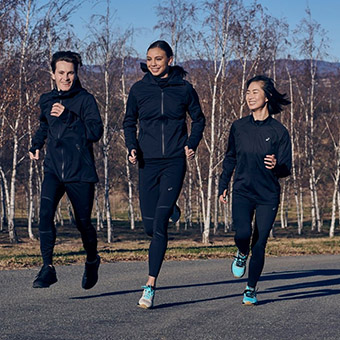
(81, 195)
(243, 210)
(160, 183)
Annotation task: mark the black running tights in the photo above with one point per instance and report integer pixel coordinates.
(243, 210)
(160, 183)
(81, 195)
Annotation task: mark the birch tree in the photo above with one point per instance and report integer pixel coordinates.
(15, 129)
(176, 18)
(311, 42)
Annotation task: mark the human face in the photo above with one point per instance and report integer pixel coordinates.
(255, 97)
(157, 62)
(64, 75)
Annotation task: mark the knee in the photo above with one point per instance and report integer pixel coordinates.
(258, 250)
(47, 212)
(242, 235)
(84, 224)
(161, 236)
(148, 225)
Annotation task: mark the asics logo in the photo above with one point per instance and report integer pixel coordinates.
(267, 139)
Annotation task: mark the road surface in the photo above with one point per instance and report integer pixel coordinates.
(195, 300)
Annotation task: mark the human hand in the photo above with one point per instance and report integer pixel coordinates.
(57, 109)
(223, 197)
(189, 153)
(34, 156)
(133, 156)
(270, 161)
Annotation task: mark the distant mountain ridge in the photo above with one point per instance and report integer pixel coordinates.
(324, 68)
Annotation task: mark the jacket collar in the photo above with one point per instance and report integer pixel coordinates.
(75, 88)
(260, 122)
(176, 74)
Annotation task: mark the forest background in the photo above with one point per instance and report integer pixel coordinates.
(221, 44)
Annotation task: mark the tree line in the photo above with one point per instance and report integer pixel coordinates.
(221, 43)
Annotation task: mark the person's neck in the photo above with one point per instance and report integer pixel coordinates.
(261, 114)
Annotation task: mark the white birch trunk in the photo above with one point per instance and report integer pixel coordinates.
(338, 200)
(11, 226)
(283, 225)
(334, 203)
(98, 212)
(189, 200)
(5, 197)
(212, 146)
(128, 173)
(130, 195)
(292, 134)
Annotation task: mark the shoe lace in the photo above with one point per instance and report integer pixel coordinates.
(250, 293)
(149, 292)
(240, 260)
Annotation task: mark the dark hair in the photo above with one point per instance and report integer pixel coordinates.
(69, 56)
(163, 45)
(275, 98)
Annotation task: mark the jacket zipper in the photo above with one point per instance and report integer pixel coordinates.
(62, 154)
(162, 113)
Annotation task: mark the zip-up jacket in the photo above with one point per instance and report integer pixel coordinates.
(249, 142)
(70, 137)
(160, 107)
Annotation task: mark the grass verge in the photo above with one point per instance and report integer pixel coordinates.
(132, 245)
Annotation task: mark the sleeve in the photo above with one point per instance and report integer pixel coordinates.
(284, 157)
(90, 117)
(92, 120)
(130, 122)
(40, 136)
(197, 117)
(229, 163)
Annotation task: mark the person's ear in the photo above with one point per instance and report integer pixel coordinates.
(171, 59)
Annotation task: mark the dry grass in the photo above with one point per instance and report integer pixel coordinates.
(131, 245)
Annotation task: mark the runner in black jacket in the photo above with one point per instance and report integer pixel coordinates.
(159, 103)
(71, 123)
(259, 149)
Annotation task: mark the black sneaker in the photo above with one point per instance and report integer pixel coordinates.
(176, 214)
(90, 276)
(46, 277)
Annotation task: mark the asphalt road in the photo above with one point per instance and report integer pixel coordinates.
(299, 299)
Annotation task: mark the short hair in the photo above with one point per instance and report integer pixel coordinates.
(275, 98)
(69, 56)
(163, 45)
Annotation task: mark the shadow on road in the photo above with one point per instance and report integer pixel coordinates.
(284, 276)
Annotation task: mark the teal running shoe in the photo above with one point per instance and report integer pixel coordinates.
(146, 301)
(238, 266)
(249, 297)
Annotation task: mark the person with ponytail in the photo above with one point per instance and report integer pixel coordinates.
(159, 104)
(259, 150)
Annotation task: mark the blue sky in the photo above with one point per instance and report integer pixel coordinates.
(141, 15)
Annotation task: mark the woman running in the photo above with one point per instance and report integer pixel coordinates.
(259, 149)
(158, 104)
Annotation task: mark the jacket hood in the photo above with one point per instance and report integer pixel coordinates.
(177, 70)
(55, 94)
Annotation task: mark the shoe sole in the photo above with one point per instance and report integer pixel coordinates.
(249, 303)
(144, 306)
(43, 285)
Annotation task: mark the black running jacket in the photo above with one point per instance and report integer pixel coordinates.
(161, 108)
(249, 142)
(70, 137)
